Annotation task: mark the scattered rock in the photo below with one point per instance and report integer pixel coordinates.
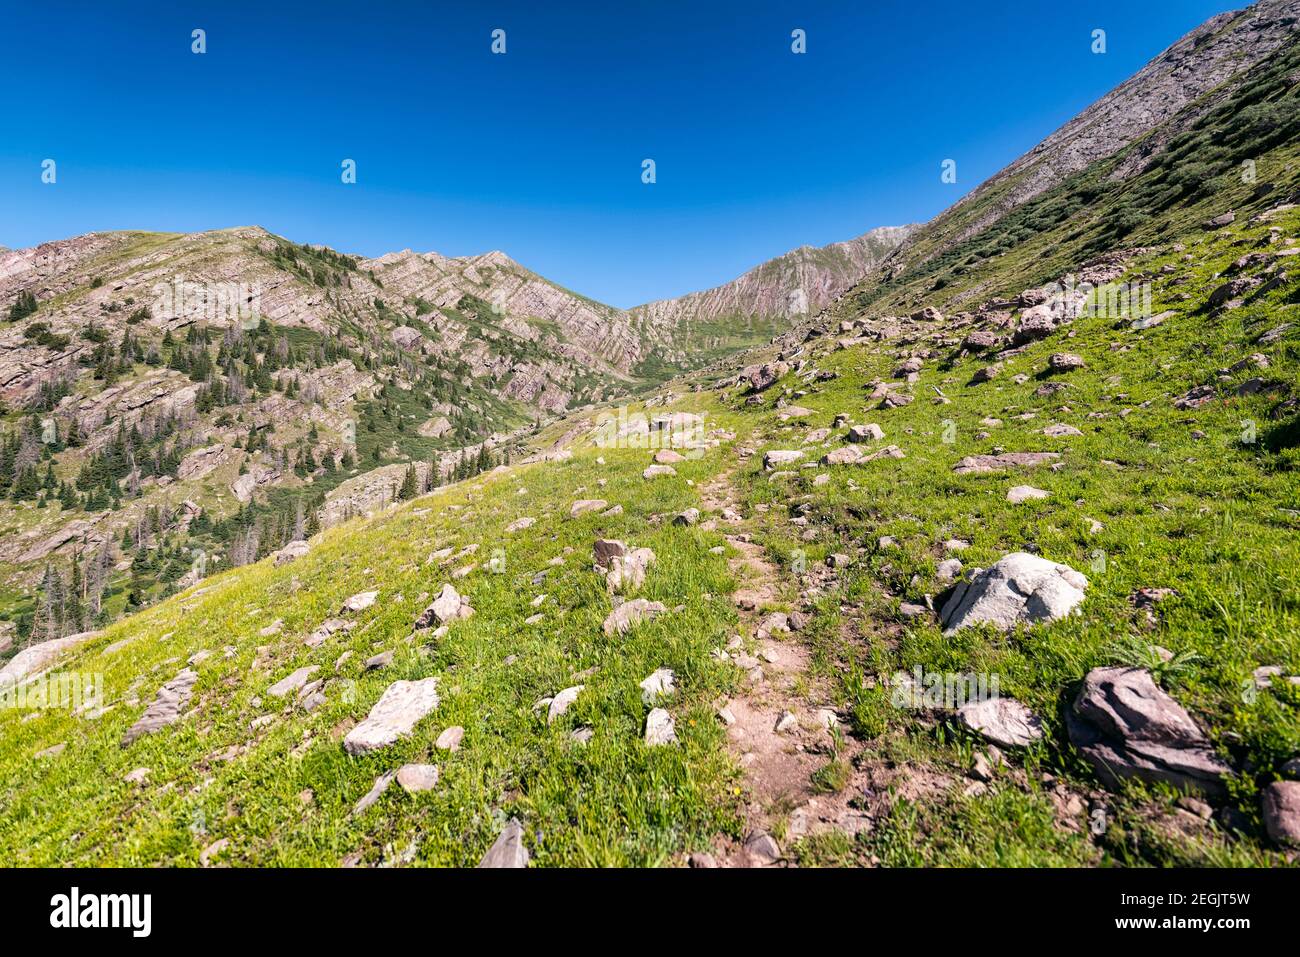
(561, 702)
(870, 432)
(508, 850)
(659, 728)
(450, 738)
(658, 685)
(166, 707)
(1002, 721)
(583, 506)
(360, 601)
(1025, 493)
(415, 778)
(375, 793)
(631, 613)
(446, 608)
(1018, 588)
(978, 464)
(1281, 809)
(396, 713)
(1127, 727)
(293, 683)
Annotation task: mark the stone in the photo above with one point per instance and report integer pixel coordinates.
(450, 738)
(138, 776)
(845, 455)
(778, 457)
(394, 715)
(415, 778)
(291, 552)
(655, 471)
(1017, 589)
(987, 373)
(766, 375)
(979, 464)
(1064, 362)
(603, 550)
(1061, 430)
(1281, 811)
(762, 848)
(627, 572)
(1195, 397)
(293, 683)
(1025, 493)
(166, 707)
(689, 517)
(360, 601)
(583, 506)
(561, 702)
(1127, 727)
(519, 524)
(39, 657)
(658, 685)
(53, 751)
(631, 613)
(381, 660)
(508, 850)
(375, 793)
(668, 457)
(866, 433)
(659, 729)
(786, 722)
(948, 569)
(1002, 721)
(446, 608)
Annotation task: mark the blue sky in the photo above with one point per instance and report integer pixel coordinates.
(538, 152)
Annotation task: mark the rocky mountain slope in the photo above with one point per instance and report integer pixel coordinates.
(989, 563)
(770, 296)
(1142, 119)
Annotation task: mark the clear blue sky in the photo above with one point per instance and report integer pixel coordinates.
(538, 152)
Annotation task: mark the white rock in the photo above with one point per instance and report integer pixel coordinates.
(1018, 588)
(659, 728)
(394, 715)
(658, 685)
(561, 702)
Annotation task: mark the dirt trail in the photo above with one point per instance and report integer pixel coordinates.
(778, 764)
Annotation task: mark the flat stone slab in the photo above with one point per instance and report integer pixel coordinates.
(1003, 721)
(166, 707)
(394, 715)
(978, 464)
(508, 850)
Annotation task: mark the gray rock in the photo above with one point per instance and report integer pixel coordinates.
(561, 702)
(450, 739)
(659, 728)
(1002, 721)
(414, 778)
(381, 660)
(605, 550)
(766, 375)
(509, 849)
(1127, 727)
(778, 457)
(658, 685)
(1281, 809)
(630, 614)
(360, 601)
(870, 432)
(1017, 589)
(627, 572)
(446, 608)
(394, 715)
(762, 848)
(1025, 493)
(375, 793)
(293, 683)
(166, 707)
(977, 464)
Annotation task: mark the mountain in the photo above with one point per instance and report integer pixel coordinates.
(770, 296)
(989, 562)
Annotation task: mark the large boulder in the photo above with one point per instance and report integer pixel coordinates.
(1017, 589)
(394, 715)
(766, 375)
(1281, 806)
(40, 657)
(166, 707)
(1127, 727)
